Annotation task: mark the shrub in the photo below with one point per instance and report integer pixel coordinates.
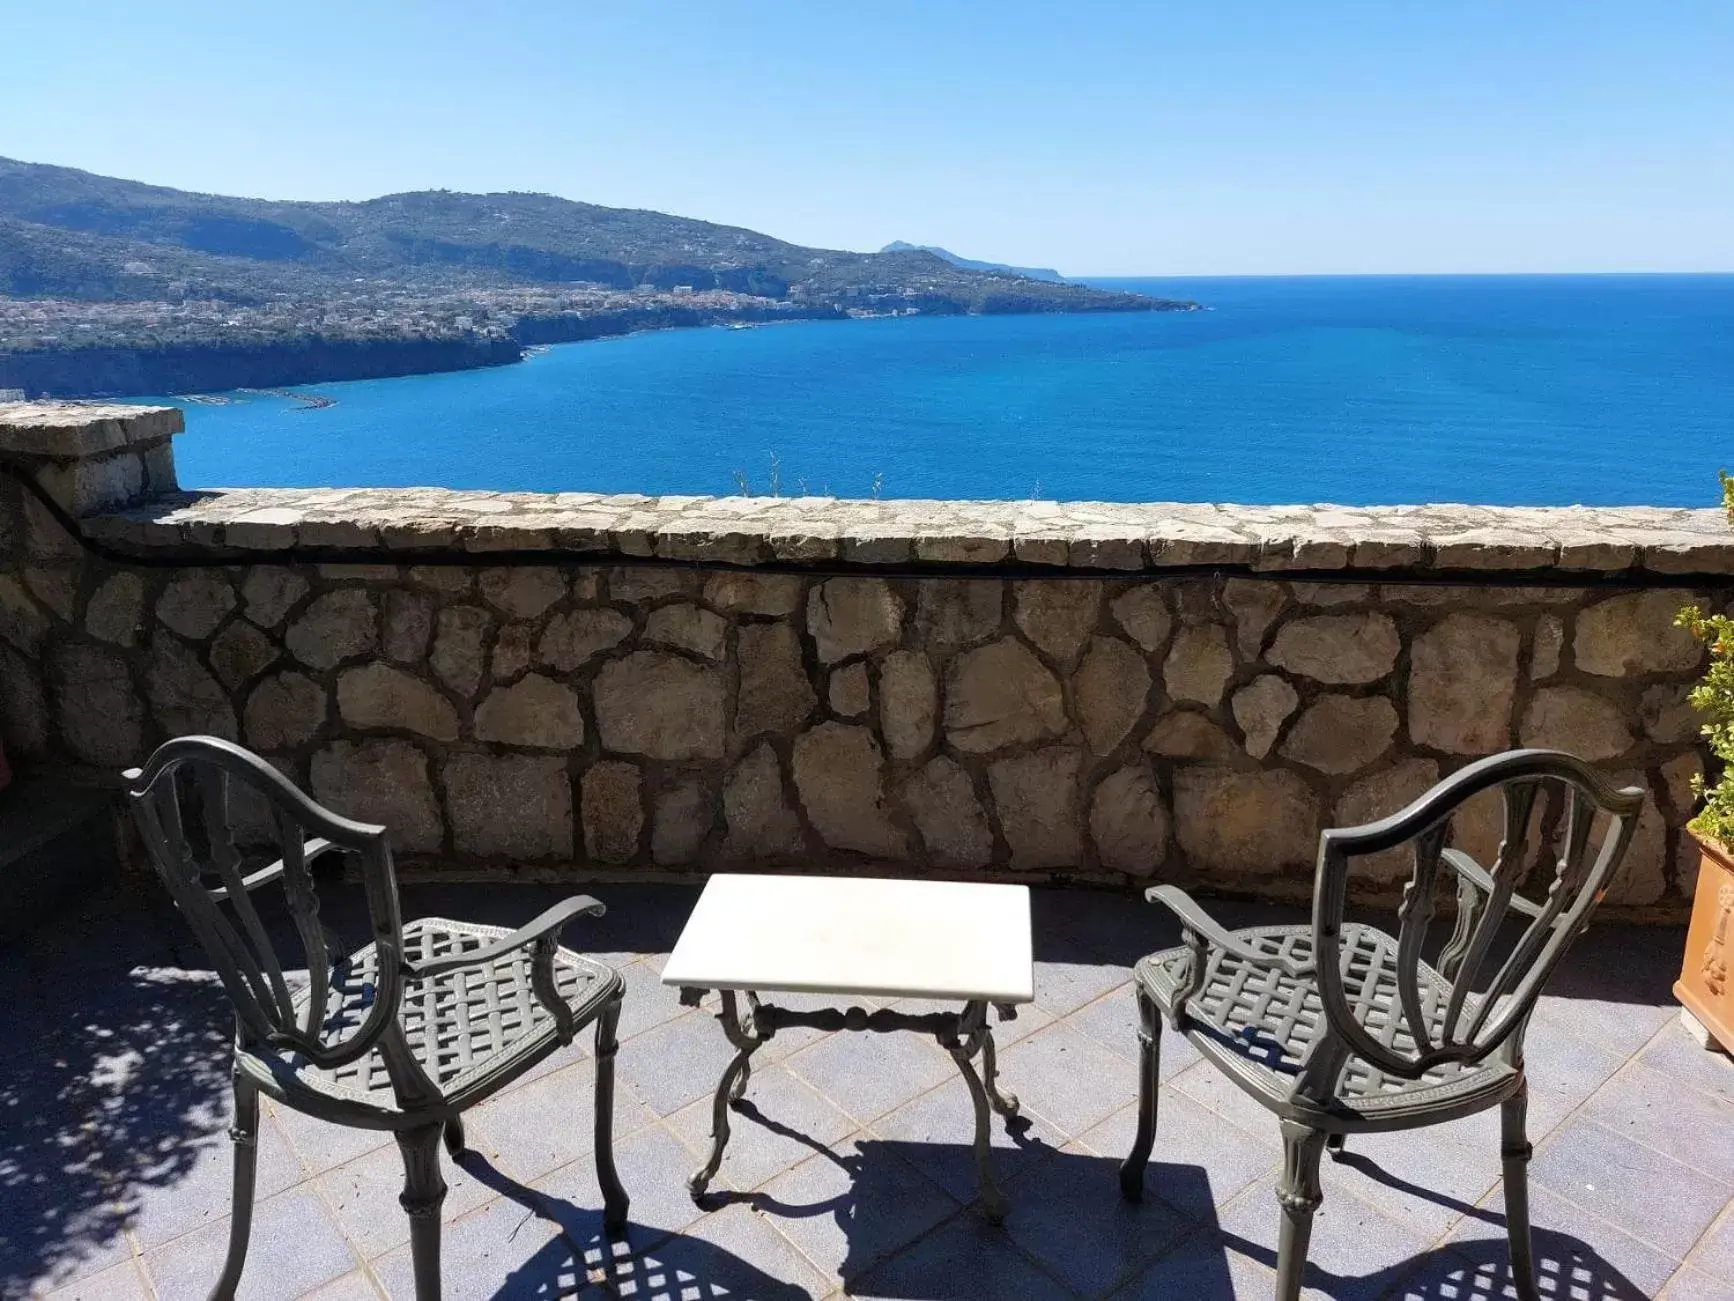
(1714, 699)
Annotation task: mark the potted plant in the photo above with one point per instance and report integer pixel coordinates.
(1706, 984)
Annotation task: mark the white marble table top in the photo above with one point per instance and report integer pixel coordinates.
(858, 935)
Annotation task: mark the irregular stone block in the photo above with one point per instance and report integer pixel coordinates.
(380, 696)
(762, 828)
(240, 653)
(1254, 605)
(56, 586)
(942, 803)
(572, 640)
(384, 782)
(536, 712)
(1544, 651)
(661, 706)
(679, 824)
(523, 592)
(1111, 688)
(1329, 594)
(514, 806)
(1375, 797)
(750, 593)
(1245, 824)
(457, 649)
(512, 651)
(408, 626)
(1576, 721)
(1199, 664)
(450, 579)
(1000, 695)
(1462, 680)
(335, 627)
(853, 616)
(1342, 734)
(642, 584)
(1035, 798)
(1143, 613)
(612, 811)
(1058, 614)
(1261, 708)
(1668, 714)
(848, 690)
(1337, 648)
(22, 621)
(1129, 821)
(185, 699)
(687, 627)
(283, 711)
(1642, 876)
(23, 706)
(116, 610)
(270, 592)
(1183, 734)
(839, 772)
(1635, 633)
(775, 693)
(908, 703)
(952, 614)
(100, 714)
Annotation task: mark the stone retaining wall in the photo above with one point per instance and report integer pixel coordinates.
(1022, 691)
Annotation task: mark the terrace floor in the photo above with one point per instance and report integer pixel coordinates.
(849, 1171)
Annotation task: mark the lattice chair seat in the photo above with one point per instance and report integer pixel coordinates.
(1259, 1023)
(466, 1027)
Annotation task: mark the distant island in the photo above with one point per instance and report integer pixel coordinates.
(970, 264)
(114, 287)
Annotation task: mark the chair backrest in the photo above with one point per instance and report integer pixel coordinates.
(1469, 1020)
(192, 800)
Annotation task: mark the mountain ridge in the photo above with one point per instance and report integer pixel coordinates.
(974, 264)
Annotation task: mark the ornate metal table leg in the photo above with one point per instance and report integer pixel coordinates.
(963, 1042)
(746, 1042)
(1004, 1100)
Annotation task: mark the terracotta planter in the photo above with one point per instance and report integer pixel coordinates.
(1706, 984)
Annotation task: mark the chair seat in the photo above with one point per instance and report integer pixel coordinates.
(1259, 1024)
(471, 1029)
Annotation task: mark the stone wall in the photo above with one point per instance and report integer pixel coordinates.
(572, 685)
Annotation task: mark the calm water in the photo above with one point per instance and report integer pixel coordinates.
(1515, 390)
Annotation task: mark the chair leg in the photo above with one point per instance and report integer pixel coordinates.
(455, 1137)
(424, 1190)
(244, 1135)
(1299, 1194)
(1514, 1153)
(614, 1198)
(1149, 1075)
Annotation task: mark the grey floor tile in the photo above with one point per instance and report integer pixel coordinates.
(1201, 1268)
(1417, 1177)
(1112, 1021)
(295, 1247)
(1093, 1250)
(321, 1144)
(1694, 1285)
(780, 1123)
(965, 1259)
(1063, 987)
(1621, 1028)
(202, 1189)
(1209, 1087)
(648, 1002)
(1694, 1128)
(558, 1060)
(1578, 1255)
(1623, 1182)
(501, 1250)
(868, 1075)
(1355, 1252)
(1679, 1057)
(675, 1063)
(849, 1209)
(363, 1194)
(734, 1253)
(1200, 1161)
(533, 1130)
(120, 1282)
(936, 1134)
(351, 1287)
(1068, 1079)
(653, 1166)
(1714, 1252)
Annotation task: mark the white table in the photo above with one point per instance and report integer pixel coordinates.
(939, 940)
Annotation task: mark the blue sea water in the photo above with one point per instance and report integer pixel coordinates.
(1510, 390)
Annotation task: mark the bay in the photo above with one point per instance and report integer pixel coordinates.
(1603, 390)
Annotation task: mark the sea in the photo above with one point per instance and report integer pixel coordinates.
(1504, 390)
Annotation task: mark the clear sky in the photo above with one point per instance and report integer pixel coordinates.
(1154, 137)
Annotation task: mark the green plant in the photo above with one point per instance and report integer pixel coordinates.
(1714, 699)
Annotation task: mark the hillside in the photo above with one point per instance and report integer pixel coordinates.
(96, 262)
(972, 264)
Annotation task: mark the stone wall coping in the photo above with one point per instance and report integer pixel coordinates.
(71, 430)
(1637, 541)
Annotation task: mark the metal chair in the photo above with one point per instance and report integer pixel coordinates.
(404, 1034)
(1340, 1028)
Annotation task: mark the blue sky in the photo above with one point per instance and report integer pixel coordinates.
(1132, 138)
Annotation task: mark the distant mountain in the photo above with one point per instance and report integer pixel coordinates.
(970, 264)
(92, 262)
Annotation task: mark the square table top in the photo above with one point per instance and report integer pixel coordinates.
(858, 935)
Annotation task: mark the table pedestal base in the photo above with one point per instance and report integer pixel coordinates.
(963, 1034)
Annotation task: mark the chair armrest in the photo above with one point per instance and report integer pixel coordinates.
(545, 927)
(1202, 925)
(1469, 870)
